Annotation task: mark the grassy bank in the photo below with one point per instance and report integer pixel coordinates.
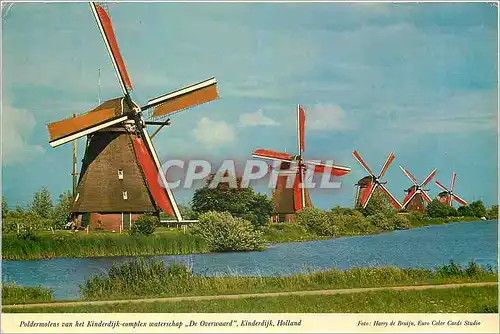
(456, 300)
(45, 244)
(95, 244)
(144, 279)
(15, 294)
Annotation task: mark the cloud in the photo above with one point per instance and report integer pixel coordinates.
(213, 133)
(17, 125)
(255, 119)
(324, 117)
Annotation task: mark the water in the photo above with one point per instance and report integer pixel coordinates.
(425, 247)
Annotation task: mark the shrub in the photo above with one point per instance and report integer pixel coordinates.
(381, 221)
(144, 224)
(492, 213)
(224, 233)
(436, 209)
(466, 211)
(478, 208)
(61, 212)
(15, 294)
(400, 221)
(379, 204)
(317, 221)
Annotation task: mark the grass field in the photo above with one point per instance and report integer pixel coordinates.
(14, 294)
(456, 300)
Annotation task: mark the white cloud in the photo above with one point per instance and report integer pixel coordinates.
(213, 133)
(255, 119)
(17, 125)
(324, 117)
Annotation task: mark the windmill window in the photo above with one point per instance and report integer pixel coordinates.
(120, 174)
(125, 196)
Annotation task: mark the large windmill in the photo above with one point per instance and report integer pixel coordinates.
(368, 184)
(287, 199)
(448, 196)
(417, 197)
(121, 175)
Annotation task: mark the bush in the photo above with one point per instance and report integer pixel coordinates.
(15, 294)
(144, 224)
(224, 233)
(492, 213)
(465, 211)
(239, 201)
(478, 208)
(437, 209)
(400, 221)
(318, 221)
(379, 204)
(381, 221)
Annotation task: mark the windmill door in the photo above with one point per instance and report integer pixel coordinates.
(126, 220)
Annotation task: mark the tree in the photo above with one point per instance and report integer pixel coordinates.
(5, 207)
(478, 208)
(242, 202)
(62, 210)
(466, 211)
(379, 204)
(41, 204)
(437, 209)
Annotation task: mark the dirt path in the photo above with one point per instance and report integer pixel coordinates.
(249, 295)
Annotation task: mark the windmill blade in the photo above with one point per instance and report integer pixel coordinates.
(107, 33)
(390, 159)
(458, 199)
(303, 189)
(272, 155)
(408, 198)
(407, 173)
(298, 193)
(362, 162)
(159, 172)
(107, 114)
(440, 185)
(301, 123)
(429, 177)
(394, 202)
(426, 197)
(453, 177)
(367, 194)
(335, 170)
(202, 92)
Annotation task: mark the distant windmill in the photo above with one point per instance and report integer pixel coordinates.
(121, 176)
(290, 200)
(417, 196)
(368, 184)
(448, 196)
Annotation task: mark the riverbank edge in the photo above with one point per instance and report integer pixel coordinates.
(307, 238)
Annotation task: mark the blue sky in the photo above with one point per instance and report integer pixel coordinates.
(416, 79)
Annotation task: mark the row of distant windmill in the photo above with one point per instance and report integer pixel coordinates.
(118, 180)
(289, 201)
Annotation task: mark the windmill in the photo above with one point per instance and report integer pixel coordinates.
(121, 176)
(448, 196)
(368, 184)
(417, 196)
(287, 199)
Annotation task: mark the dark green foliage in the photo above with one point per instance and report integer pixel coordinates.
(5, 207)
(15, 294)
(225, 233)
(436, 209)
(379, 204)
(62, 210)
(187, 212)
(492, 213)
(478, 208)
(492, 308)
(242, 202)
(472, 270)
(145, 224)
(42, 203)
(466, 211)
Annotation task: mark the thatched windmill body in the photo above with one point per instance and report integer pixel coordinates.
(291, 197)
(417, 198)
(448, 196)
(370, 183)
(121, 175)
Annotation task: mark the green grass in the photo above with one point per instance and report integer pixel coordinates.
(454, 300)
(96, 244)
(144, 279)
(15, 294)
